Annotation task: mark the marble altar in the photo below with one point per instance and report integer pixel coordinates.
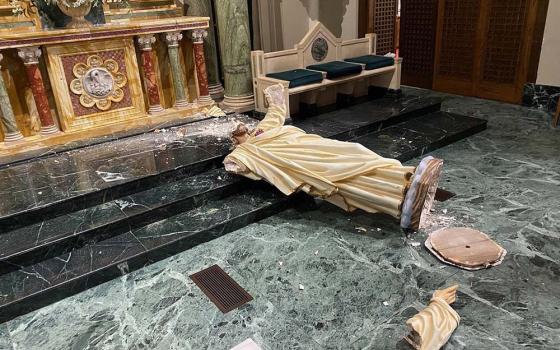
(121, 74)
(203, 8)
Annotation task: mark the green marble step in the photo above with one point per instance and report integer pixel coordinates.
(60, 234)
(32, 287)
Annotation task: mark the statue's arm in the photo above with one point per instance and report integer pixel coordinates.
(275, 117)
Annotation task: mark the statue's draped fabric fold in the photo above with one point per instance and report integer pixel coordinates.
(343, 173)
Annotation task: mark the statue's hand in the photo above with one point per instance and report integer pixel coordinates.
(275, 95)
(447, 294)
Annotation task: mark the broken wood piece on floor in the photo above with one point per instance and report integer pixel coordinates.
(443, 195)
(431, 328)
(465, 248)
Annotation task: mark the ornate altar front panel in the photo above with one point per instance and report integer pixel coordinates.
(95, 83)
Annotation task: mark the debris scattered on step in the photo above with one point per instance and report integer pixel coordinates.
(415, 244)
(219, 178)
(316, 252)
(361, 229)
(215, 111)
(280, 263)
(432, 327)
(465, 248)
(444, 211)
(109, 177)
(385, 303)
(301, 287)
(378, 229)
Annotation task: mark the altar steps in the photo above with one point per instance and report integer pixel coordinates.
(79, 179)
(73, 252)
(60, 234)
(34, 286)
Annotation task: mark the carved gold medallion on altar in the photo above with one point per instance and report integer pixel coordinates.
(98, 83)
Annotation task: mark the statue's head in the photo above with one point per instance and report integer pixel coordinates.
(240, 134)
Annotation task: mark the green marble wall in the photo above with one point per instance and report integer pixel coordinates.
(204, 8)
(235, 46)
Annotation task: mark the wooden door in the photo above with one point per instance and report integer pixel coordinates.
(505, 50)
(380, 19)
(456, 46)
(417, 41)
(483, 47)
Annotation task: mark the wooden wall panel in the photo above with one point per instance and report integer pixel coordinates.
(508, 33)
(417, 41)
(484, 47)
(384, 17)
(456, 44)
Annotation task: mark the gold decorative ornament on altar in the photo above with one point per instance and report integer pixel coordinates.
(98, 82)
(76, 10)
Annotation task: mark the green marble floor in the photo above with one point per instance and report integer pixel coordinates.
(359, 287)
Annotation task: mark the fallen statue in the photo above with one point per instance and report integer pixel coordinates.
(344, 173)
(431, 328)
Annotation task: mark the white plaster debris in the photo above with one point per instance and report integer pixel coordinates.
(280, 263)
(316, 252)
(220, 128)
(378, 229)
(361, 229)
(301, 287)
(110, 177)
(415, 244)
(385, 303)
(219, 178)
(248, 344)
(444, 211)
(436, 221)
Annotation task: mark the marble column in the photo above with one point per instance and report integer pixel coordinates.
(11, 131)
(30, 57)
(203, 8)
(152, 90)
(235, 47)
(181, 98)
(198, 36)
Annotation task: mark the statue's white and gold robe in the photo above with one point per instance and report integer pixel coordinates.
(343, 173)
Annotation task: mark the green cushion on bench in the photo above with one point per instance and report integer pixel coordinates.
(373, 61)
(337, 69)
(298, 77)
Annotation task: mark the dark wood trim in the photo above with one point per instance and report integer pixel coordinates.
(538, 34)
(371, 15)
(557, 116)
(363, 16)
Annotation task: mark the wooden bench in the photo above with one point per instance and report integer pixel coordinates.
(317, 47)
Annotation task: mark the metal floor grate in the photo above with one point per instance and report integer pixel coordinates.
(221, 289)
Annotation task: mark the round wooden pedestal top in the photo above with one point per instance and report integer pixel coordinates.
(466, 247)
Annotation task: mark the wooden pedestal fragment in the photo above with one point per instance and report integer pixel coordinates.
(465, 248)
